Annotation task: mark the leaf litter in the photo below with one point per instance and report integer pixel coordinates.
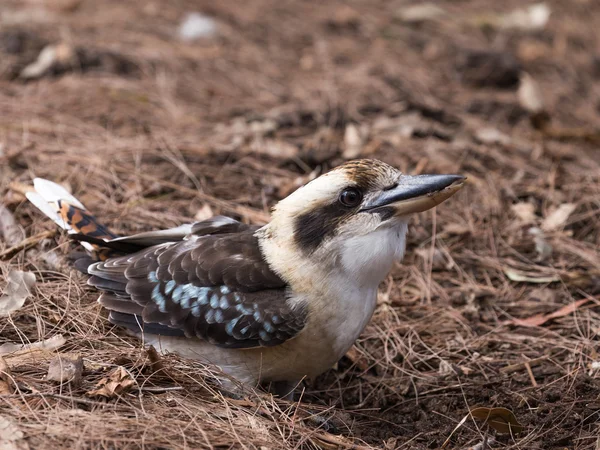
(18, 289)
(253, 115)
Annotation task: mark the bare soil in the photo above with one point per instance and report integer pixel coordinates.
(150, 131)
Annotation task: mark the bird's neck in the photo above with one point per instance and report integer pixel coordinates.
(359, 262)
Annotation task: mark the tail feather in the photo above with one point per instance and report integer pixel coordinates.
(69, 213)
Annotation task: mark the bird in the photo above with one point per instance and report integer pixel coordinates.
(271, 304)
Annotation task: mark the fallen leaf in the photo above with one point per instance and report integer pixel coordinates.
(18, 351)
(274, 147)
(49, 57)
(117, 383)
(16, 292)
(558, 217)
(353, 142)
(420, 13)
(456, 229)
(530, 94)
(525, 212)
(6, 379)
(66, 368)
(9, 229)
(204, 213)
(492, 136)
(521, 277)
(543, 248)
(540, 319)
(533, 17)
(196, 26)
(5, 389)
(500, 419)
(357, 358)
(11, 437)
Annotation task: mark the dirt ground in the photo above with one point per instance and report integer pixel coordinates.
(497, 303)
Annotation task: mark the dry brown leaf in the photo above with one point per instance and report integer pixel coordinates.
(66, 368)
(525, 212)
(558, 217)
(540, 319)
(357, 358)
(117, 383)
(500, 419)
(16, 292)
(5, 388)
(5, 378)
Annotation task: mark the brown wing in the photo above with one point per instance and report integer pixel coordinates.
(213, 286)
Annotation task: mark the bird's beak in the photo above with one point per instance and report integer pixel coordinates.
(414, 194)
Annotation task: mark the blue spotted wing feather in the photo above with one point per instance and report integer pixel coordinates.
(214, 286)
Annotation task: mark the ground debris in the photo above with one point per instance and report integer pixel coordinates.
(18, 289)
(487, 68)
(196, 26)
(117, 383)
(60, 58)
(10, 231)
(557, 218)
(20, 352)
(541, 319)
(420, 13)
(232, 123)
(11, 436)
(66, 368)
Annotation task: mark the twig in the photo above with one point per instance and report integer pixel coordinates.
(160, 390)
(26, 244)
(530, 373)
(338, 440)
(518, 366)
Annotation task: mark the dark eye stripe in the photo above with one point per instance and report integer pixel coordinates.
(311, 228)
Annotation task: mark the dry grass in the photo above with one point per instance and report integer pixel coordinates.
(147, 144)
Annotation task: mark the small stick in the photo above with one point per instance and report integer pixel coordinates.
(530, 372)
(518, 366)
(26, 244)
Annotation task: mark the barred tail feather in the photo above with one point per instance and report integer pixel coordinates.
(67, 212)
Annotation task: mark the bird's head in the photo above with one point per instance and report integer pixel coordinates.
(356, 215)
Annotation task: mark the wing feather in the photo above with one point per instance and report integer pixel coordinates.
(213, 286)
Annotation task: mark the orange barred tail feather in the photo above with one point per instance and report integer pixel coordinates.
(70, 214)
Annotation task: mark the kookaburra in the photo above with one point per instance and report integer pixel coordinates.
(272, 303)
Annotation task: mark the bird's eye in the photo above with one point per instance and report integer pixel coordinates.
(350, 197)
